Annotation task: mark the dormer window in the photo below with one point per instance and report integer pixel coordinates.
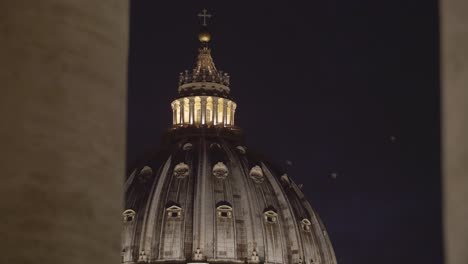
(181, 170)
(285, 179)
(173, 210)
(220, 170)
(187, 146)
(142, 257)
(241, 149)
(145, 174)
(305, 224)
(270, 215)
(215, 145)
(224, 209)
(128, 215)
(256, 174)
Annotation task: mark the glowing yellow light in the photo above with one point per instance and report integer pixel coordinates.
(209, 110)
(220, 111)
(198, 111)
(186, 111)
(228, 113)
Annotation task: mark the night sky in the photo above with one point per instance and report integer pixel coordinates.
(341, 88)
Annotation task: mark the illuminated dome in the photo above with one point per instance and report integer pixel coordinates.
(208, 198)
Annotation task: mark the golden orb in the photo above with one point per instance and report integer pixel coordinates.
(204, 36)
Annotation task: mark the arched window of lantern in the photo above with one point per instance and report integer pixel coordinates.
(306, 224)
(177, 112)
(209, 111)
(228, 112)
(198, 110)
(220, 110)
(186, 113)
(224, 209)
(173, 210)
(173, 113)
(270, 215)
(233, 114)
(128, 216)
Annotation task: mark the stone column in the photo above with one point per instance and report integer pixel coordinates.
(192, 110)
(63, 110)
(454, 66)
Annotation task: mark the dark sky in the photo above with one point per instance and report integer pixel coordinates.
(325, 84)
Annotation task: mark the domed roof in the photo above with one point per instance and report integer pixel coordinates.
(230, 206)
(208, 198)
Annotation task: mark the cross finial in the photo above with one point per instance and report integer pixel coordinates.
(205, 15)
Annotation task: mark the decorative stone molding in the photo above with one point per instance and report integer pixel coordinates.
(220, 170)
(256, 174)
(181, 170)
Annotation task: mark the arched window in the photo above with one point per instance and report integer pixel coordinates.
(187, 146)
(241, 149)
(186, 112)
(305, 224)
(128, 216)
(215, 145)
(220, 110)
(228, 113)
(198, 111)
(142, 257)
(176, 109)
(285, 179)
(209, 111)
(270, 214)
(145, 174)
